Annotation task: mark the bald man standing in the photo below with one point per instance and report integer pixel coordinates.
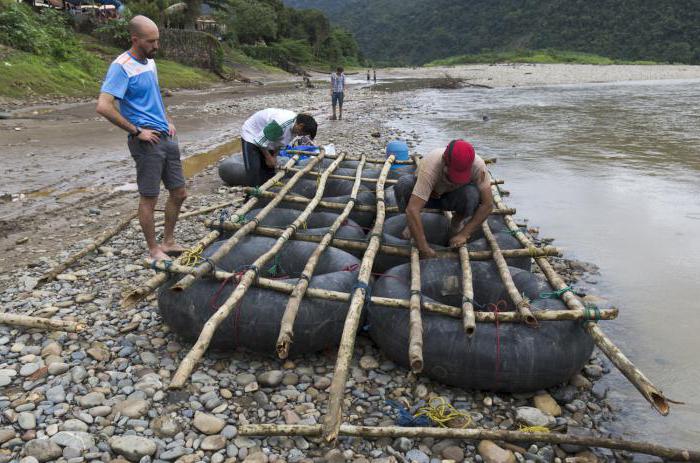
(132, 81)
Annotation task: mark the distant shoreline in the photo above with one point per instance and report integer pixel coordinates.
(529, 75)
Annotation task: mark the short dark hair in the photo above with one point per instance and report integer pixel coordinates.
(339, 69)
(308, 124)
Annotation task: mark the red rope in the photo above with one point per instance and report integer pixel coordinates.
(497, 308)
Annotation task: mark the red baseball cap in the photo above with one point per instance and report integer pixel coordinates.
(459, 157)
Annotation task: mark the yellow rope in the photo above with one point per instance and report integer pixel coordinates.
(543, 429)
(278, 184)
(441, 412)
(303, 225)
(192, 256)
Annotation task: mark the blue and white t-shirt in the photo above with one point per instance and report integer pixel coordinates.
(135, 85)
(253, 130)
(338, 82)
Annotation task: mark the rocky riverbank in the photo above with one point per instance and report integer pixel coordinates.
(102, 395)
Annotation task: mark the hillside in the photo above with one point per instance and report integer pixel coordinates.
(419, 31)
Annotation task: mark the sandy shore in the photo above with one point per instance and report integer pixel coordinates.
(528, 75)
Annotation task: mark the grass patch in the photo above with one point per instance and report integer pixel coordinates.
(25, 75)
(532, 56)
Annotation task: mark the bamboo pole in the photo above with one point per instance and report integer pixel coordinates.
(415, 331)
(359, 207)
(389, 181)
(468, 320)
(97, 242)
(155, 281)
(669, 453)
(200, 347)
(394, 250)
(26, 321)
(434, 307)
(201, 211)
(521, 304)
(286, 335)
(208, 266)
(352, 320)
(373, 161)
(633, 374)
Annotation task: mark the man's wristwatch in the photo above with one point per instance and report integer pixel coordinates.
(137, 133)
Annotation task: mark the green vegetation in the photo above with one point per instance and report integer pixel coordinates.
(531, 56)
(408, 33)
(48, 59)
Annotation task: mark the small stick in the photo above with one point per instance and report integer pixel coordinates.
(415, 333)
(522, 305)
(434, 307)
(394, 250)
(26, 321)
(669, 453)
(99, 241)
(333, 417)
(358, 207)
(389, 181)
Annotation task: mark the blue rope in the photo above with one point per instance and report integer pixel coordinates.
(366, 287)
(405, 418)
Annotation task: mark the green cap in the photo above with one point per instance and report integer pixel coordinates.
(273, 131)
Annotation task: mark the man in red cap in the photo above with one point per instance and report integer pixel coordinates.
(454, 179)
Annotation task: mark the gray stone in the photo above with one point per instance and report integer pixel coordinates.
(165, 426)
(229, 432)
(6, 434)
(29, 459)
(56, 394)
(75, 439)
(404, 444)
(78, 374)
(453, 452)
(208, 424)
(213, 443)
(417, 456)
(93, 399)
(173, 453)
(270, 378)
(73, 425)
(43, 450)
(26, 420)
(576, 431)
(600, 391)
(133, 447)
(133, 408)
(29, 368)
(244, 379)
(532, 416)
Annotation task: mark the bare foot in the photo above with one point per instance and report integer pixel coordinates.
(158, 254)
(172, 248)
(406, 234)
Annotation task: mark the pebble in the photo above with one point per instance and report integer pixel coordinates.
(26, 420)
(133, 447)
(416, 456)
(213, 443)
(492, 453)
(532, 416)
(92, 399)
(43, 450)
(133, 408)
(74, 439)
(547, 404)
(58, 368)
(270, 378)
(208, 424)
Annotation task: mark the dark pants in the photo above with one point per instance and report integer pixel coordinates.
(256, 170)
(463, 201)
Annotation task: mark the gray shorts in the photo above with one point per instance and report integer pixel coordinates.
(156, 162)
(463, 201)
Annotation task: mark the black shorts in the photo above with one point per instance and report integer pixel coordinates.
(463, 201)
(156, 162)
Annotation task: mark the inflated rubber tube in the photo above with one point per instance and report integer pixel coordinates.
(509, 358)
(232, 171)
(336, 191)
(318, 223)
(436, 227)
(369, 171)
(255, 323)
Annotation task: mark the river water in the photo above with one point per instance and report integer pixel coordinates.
(612, 171)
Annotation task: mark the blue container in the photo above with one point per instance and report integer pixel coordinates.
(398, 148)
(284, 153)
